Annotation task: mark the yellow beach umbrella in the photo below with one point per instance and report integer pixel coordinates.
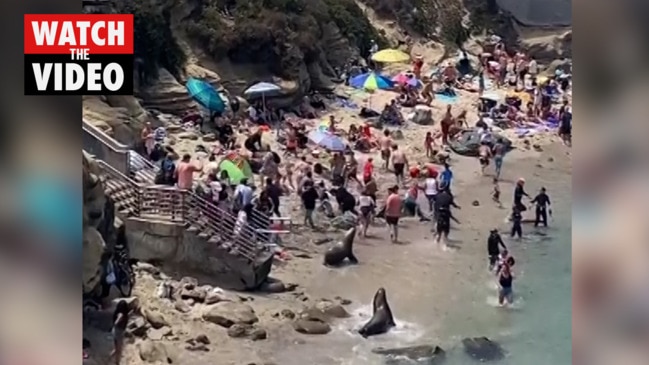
(390, 56)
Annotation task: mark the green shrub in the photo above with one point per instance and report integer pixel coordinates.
(153, 41)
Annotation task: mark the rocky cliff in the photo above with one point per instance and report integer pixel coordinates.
(99, 224)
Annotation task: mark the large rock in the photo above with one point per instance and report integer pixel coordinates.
(94, 245)
(422, 354)
(155, 352)
(226, 314)
(121, 117)
(311, 326)
(483, 349)
(167, 95)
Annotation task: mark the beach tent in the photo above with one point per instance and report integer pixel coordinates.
(238, 165)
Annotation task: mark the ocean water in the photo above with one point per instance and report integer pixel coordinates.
(439, 297)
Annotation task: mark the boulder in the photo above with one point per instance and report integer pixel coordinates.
(422, 354)
(311, 326)
(226, 314)
(156, 319)
(332, 310)
(483, 349)
(155, 352)
(167, 95)
(123, 119)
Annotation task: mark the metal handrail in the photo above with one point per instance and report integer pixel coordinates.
(171, 204)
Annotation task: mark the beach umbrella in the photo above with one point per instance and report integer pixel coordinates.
(205, 94)
(262, 89)
(371, 81)
(390, 56)
(327, 140)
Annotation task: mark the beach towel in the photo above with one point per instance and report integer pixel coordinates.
(448, 99)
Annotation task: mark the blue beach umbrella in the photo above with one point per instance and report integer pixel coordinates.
(371, 81)
(205, 94)
(327, 140)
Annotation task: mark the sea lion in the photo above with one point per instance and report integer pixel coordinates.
(341, 250)
(382, 319)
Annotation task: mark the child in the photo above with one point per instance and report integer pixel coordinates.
(517, 219)
(495, 195)
(428, 144)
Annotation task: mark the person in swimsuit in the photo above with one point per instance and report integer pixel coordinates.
(484, 156)
(494, 242)
(399, 164)
(446, 124)
(386, 145)
(505, 280)
(393, 205)
(366, 206)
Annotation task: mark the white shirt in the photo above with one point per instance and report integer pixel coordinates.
(532, 67)
(365, 201)
(374, 48)
(252, 112)
(431, 186)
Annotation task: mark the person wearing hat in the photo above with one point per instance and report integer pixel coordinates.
(494, 242)
(417, 65)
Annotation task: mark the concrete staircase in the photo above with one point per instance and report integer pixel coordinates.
(178, 227)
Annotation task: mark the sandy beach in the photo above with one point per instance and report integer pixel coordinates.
(429, 289)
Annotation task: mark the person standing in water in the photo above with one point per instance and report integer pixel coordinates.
(519, 192)
(517, 219)
(542, 201)
(505, 280)
(366, 206)
(494, 242)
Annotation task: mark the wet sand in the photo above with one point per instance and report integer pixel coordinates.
(437, 296)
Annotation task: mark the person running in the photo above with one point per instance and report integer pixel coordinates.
(443, 225)
(498, 155)
(393, 212)
(519, 192)
(309, 198)
(120, 320)
(386, 145)
(517, 219)
(484, 156)
(542, 201)
(494, 242)
(505, 280)
(399, 163)
(366, 206)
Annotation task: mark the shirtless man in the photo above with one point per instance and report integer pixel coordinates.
(399, 163)
(446, 124)
(385, 144)
(484, 156)
(427, 91)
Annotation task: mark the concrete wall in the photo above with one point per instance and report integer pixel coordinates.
(105, 148)
(185, 250)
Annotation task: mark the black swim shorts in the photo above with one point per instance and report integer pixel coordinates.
(398, 169)
(393, 221)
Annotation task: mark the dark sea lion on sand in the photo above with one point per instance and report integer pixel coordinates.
(342, 250)
(382, 319)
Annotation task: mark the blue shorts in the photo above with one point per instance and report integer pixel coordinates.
(506, 292)
(498, 161)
